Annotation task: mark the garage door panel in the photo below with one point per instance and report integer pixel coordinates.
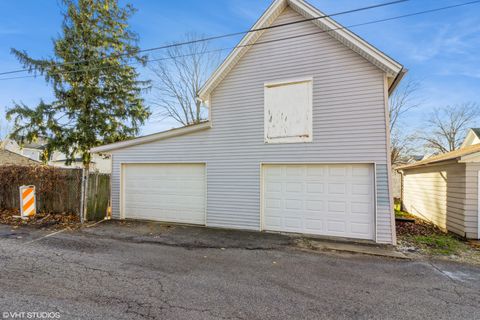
(295, 187)
(315, 206)
(315, 171)
(273, 187)
(335, 200)
(294, 171)
(165, 192)
(336, 226)
(315, 188)
(165, 202)
(337, 207)
(361, 171)
(313, 225)
(359, 228)
(361, 208)
(337, 188)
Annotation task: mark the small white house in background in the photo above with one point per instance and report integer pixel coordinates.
(296, 140)
(99, 163)
(11, 158)
(473, 137)
(34, 150)
(444, 189)
(30, 150)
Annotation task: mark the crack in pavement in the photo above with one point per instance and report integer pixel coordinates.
(135, 279)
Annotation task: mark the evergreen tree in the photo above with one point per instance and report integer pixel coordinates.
(97, 91)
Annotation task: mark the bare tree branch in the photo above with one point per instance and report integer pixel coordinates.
(446, 127)
(401, 102)
(178, 79)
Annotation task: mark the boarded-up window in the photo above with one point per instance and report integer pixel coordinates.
(288, 112)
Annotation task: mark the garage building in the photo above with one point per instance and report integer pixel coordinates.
(296, 139)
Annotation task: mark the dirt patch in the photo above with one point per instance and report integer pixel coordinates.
(418, 228)
(42, 220)
(422, 238)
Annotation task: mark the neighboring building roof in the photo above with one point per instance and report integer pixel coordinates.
(74, 160)
(38, 144)
(392, 68)
(33, 145)
(476, 131)
(472, 137)
(153, 137)
(12, 158)
(444, 157)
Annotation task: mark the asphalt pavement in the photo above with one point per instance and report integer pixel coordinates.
(151, 271)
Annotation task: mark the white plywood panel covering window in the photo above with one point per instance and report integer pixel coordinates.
(288, 111)
(165, 192)
(330, 200)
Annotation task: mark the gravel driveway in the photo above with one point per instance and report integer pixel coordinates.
(149, 271)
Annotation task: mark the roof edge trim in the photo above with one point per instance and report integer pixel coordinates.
(153, 137)
(388, 65)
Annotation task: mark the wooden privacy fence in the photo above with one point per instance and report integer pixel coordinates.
(58, 190)
(98, 196)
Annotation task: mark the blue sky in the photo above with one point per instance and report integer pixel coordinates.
(442, 50)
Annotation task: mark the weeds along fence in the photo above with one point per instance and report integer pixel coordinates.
(58, 190)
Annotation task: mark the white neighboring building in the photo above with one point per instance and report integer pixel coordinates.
(30, 150)
(473, 137)
(99, 163)
(34, 151)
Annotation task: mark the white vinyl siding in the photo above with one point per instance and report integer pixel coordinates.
(164, 192)
(288, 112)
(471, 201)
(437, 193)
(329, 200)
(446, 194)
(348, 125)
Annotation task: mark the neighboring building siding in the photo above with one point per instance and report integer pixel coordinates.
(99, 163)
(471, 201)
(437, 193)
(396, 184)
(348, 125)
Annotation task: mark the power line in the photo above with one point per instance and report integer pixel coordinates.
(177, 44)
(281, 39)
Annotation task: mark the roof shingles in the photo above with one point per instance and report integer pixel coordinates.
(11, 158)
(444, 156)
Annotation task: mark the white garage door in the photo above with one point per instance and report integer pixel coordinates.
(331, 200)
(164, 192)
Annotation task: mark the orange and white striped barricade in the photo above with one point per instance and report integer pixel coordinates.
(27, 201)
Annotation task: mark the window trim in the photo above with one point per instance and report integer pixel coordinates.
(279, 83)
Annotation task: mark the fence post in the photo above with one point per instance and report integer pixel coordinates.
(84, 198)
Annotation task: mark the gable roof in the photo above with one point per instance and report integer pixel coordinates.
(476, 131)
(444, 157)
(393, 69)
(38, 144)
(470, 137)
(11, 158)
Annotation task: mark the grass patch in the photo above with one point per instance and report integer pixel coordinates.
(440, 244)
(424, 238)
(402, 214)
(399, 213)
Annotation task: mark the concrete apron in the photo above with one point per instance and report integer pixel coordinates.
(203, 237)
(350, 247)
